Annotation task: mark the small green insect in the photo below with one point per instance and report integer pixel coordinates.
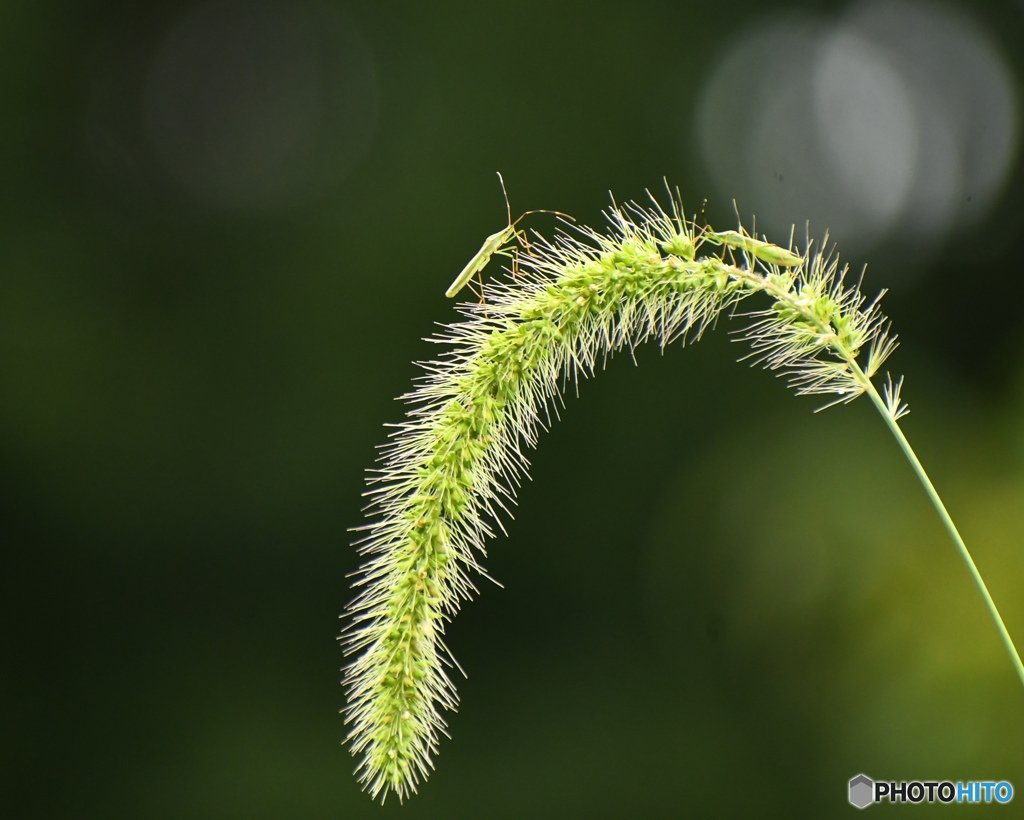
(765, 251)
(495, 243)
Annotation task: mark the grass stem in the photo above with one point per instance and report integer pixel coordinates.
(947, 522)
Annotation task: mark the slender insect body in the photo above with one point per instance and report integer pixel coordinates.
(494, 244)
(765, 251)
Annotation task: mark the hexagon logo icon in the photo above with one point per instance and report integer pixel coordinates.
(862, 791)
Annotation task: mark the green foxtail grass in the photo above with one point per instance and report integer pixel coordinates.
(452, 467)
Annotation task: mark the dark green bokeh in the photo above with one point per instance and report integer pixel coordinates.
(715, 603)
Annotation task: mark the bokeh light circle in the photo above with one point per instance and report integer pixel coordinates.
(897, 119)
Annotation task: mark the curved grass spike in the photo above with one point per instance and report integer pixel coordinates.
(453, 465)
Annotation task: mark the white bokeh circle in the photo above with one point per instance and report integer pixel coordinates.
(895, 118)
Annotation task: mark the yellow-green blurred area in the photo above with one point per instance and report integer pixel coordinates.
(227, 227)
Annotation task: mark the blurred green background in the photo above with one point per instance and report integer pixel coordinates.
(227, 227)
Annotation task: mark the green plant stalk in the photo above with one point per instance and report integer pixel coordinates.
(947, 522)
(891, 412)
